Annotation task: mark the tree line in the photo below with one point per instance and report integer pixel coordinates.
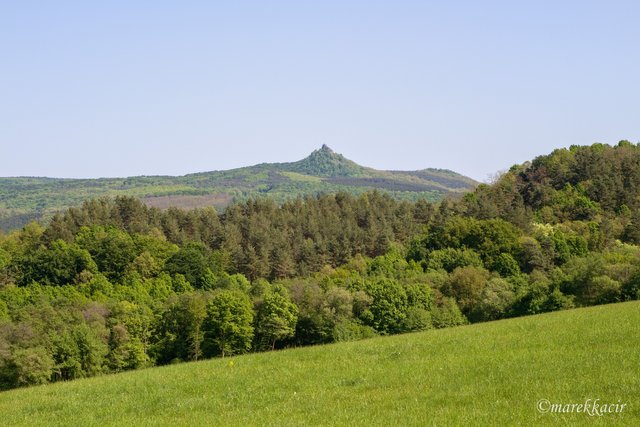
(115, 285)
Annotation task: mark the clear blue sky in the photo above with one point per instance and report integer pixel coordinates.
(121, 88)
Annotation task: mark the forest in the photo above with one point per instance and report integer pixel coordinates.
(116, 285)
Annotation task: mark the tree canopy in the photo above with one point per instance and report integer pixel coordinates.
(115, 285)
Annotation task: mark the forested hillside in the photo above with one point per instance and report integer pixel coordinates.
(115, 285)
(324, 171)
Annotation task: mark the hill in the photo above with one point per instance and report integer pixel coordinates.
(27, 198)
(496, 373)
(579, 183)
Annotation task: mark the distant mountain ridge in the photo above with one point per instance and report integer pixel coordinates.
(23, 199)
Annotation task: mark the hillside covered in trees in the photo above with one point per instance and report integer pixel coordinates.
(323, 171)
(115, 284)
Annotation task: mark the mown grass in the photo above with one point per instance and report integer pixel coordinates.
(484, 374)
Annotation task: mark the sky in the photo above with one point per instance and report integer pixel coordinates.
(125, 88)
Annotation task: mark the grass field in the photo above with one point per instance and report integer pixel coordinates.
(484, 374)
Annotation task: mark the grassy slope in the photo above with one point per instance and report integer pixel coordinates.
(484, 374)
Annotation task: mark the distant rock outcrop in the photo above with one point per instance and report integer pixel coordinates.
(325, 162)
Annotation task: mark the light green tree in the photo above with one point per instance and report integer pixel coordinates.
(228, 326)
(276, 320)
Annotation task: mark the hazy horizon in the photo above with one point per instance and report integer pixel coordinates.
(213, 170)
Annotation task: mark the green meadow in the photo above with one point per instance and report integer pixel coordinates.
(484, 374)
